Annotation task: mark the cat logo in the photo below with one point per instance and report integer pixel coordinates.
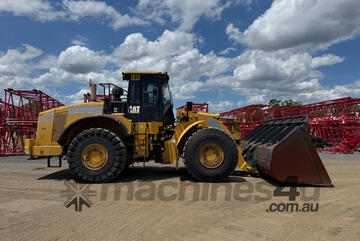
(134, 109)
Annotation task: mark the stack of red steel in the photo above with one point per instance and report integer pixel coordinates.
(87, 98)
(246, 118)
(19, 112)
(335, 121)
(201, 107)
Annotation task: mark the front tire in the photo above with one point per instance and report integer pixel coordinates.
(96, 155)
(210, 154)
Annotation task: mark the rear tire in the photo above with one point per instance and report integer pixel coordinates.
(210, 154)
(96, 155)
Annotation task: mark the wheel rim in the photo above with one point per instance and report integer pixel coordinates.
(211, 155)
(94, 156)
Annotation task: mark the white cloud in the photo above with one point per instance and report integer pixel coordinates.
(181, 59)
(57, 77)
(227, 51)
(69, 10)
(80, 60)
(221, 106)
(16, 62)
(239, 103)
(170, 43)
(15, 82)
(184, 62)
(79, 9)
(79, 40)
(337, 91)
(234, 33)
(275, 70)
(184, 13)
(256, 99)
(40, 10)
(185, 91)
(220, 82)
(27, 68)
(260, 75)
(326, 60)
(278, 61)
(243, 2)
(255, 75)
(310, 24)
(45, 62)
(307, 85)
(77, 97)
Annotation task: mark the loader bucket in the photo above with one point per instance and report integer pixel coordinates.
(282, 149)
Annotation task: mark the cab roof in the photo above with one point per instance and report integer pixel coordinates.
(143, 72)
(135, 75)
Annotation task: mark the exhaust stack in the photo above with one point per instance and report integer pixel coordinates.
(92, 90)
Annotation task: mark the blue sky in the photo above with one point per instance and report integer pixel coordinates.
(228, 53)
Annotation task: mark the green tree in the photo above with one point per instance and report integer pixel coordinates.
(32, 106)
(274, 102)
(291, 102)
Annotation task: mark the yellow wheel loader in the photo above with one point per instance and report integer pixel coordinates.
(101, 139)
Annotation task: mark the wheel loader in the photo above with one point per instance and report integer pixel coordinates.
(101, 139)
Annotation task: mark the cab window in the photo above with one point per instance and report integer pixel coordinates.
(166, 94)
(134, 93)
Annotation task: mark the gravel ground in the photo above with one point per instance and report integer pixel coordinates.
(33, 198)
(341, 157)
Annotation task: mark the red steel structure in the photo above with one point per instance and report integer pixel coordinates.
(2, 110)
(201, 107)
(87, 98)
(19, 112)
(335, 121)
(246, 118)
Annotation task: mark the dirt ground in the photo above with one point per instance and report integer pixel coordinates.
(163, 204)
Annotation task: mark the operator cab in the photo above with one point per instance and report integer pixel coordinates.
(148, 98)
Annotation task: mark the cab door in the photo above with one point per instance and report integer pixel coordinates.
(143, 99)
